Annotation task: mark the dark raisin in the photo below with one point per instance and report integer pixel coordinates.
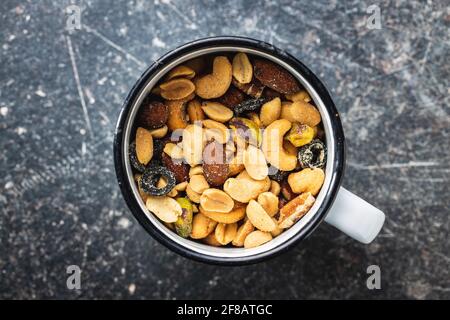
(133, 158)
(249, 105)
(153, 114)
(150, 178)
(313, 155)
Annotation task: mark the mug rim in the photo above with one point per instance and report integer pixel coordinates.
(338, 164)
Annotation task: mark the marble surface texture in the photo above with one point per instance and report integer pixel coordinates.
(61, 93)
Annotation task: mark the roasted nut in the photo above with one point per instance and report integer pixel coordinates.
(165, 208)
(275, 187)
(313, 155)
(215, 168)
(234, 215)
(295, 209)
(235, 166)
(202, 226)
(253, 89)
(242, 68)
(216, 130)
(217, 83)
(255, 163)
(193, 142)
(225, 233)
(307, 180)
(272, 146)
(300, 134)
(177, 89)
(217, 111)
(259, 217)
(195, 170)
(277, 231)
(152, 114)
(177, 115)
(183, 225)
(178, 167)
(275, 77)
(247, 130)
(181, 72)
(195, 112)
(144, 145)
(244, 188)
(216, 200)
(301, 95)
(244, 230)
(181, 186)
(173, 150)
(269, 202)
(198, 183)
(197, 64)
(231, 98)
(194, 196)
(211, 240)
(289, 148)
(257, 238)
(160, 132)
(286, 190)
(302, 112)
(270, 111)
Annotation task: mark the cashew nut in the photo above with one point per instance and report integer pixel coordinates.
(307, 180)
(302, 112)
(217, 83)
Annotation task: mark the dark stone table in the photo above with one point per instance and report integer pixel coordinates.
(60, 95)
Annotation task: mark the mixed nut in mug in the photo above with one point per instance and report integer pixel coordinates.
(228, 150)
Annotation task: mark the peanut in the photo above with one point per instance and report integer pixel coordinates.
(257, 238)
(259, 217)
(198, 183)
(202, 226)
(194, 196)
(144, 145)
(177, 89)
(216, 200)
(255, 163)
(225, 233)
(307, 180)
(275, 188)
(235, 215)
(270, 111)
(242, 68)
(244, 230)
(173, 151)
(165, 208)
(269, 202)
(217, 111)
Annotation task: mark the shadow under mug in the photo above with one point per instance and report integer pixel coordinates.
(334, 204)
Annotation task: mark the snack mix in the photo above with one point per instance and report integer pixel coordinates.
(228, 150)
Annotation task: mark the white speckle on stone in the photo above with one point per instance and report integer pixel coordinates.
(132, 288)
(82, 132)
(25, 31)
(124, 223)
(102, 81)
(362, 133)
(157, 42)
(9, 185)
(122, 271)
(21, 130)
(11, 37)
(4, 111)
(84, 226)
(40, 93)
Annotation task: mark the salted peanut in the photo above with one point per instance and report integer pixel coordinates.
(301, 95)
(216, 130)
(216, 200)
(195, 170)
(256, 119)
(181, 186)
(177, 89)
(244, 188)
(194, 208)
(255, 163)
(295, 209)
(194, 196)
(259, 217)
(269, 202)
(193, 143)
(160, 132)
(277, 231)
(177, 115)
(217, 83)
(194, 110)
(302, 112)
(244, 230)
(272, 146)
(217, 111)
(144, 145)
(236, 166)
(173, 151)
(242, 68)
(165, 208)
(234, 215)
(225, 232)
(275, 187)
(270, 111)
(202, 226)
(181, 72)
(211, 240)
(198, 183)
(307, 180)
(257, 238)
(162, 182)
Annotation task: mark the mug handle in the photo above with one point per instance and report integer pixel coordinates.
(355, 217)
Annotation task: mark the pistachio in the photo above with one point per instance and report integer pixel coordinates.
(295, 209)
(244, 230)
(257, 238)
(307, 180)
(255, 118)
(270, 111)
(247, 130)
(216, 200)
(217, 83)
(183, 225)
(242, 68)
(177, 89)
(302, 112)
(217, 111)
(225, 233)
(144, 145)
(202, 226)
(234, 215)
(181, 72)
(259, 217)
(269, 202)
(195, 112)
(165, 208)
(255, 163)
(198, 183)
(300, 134)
